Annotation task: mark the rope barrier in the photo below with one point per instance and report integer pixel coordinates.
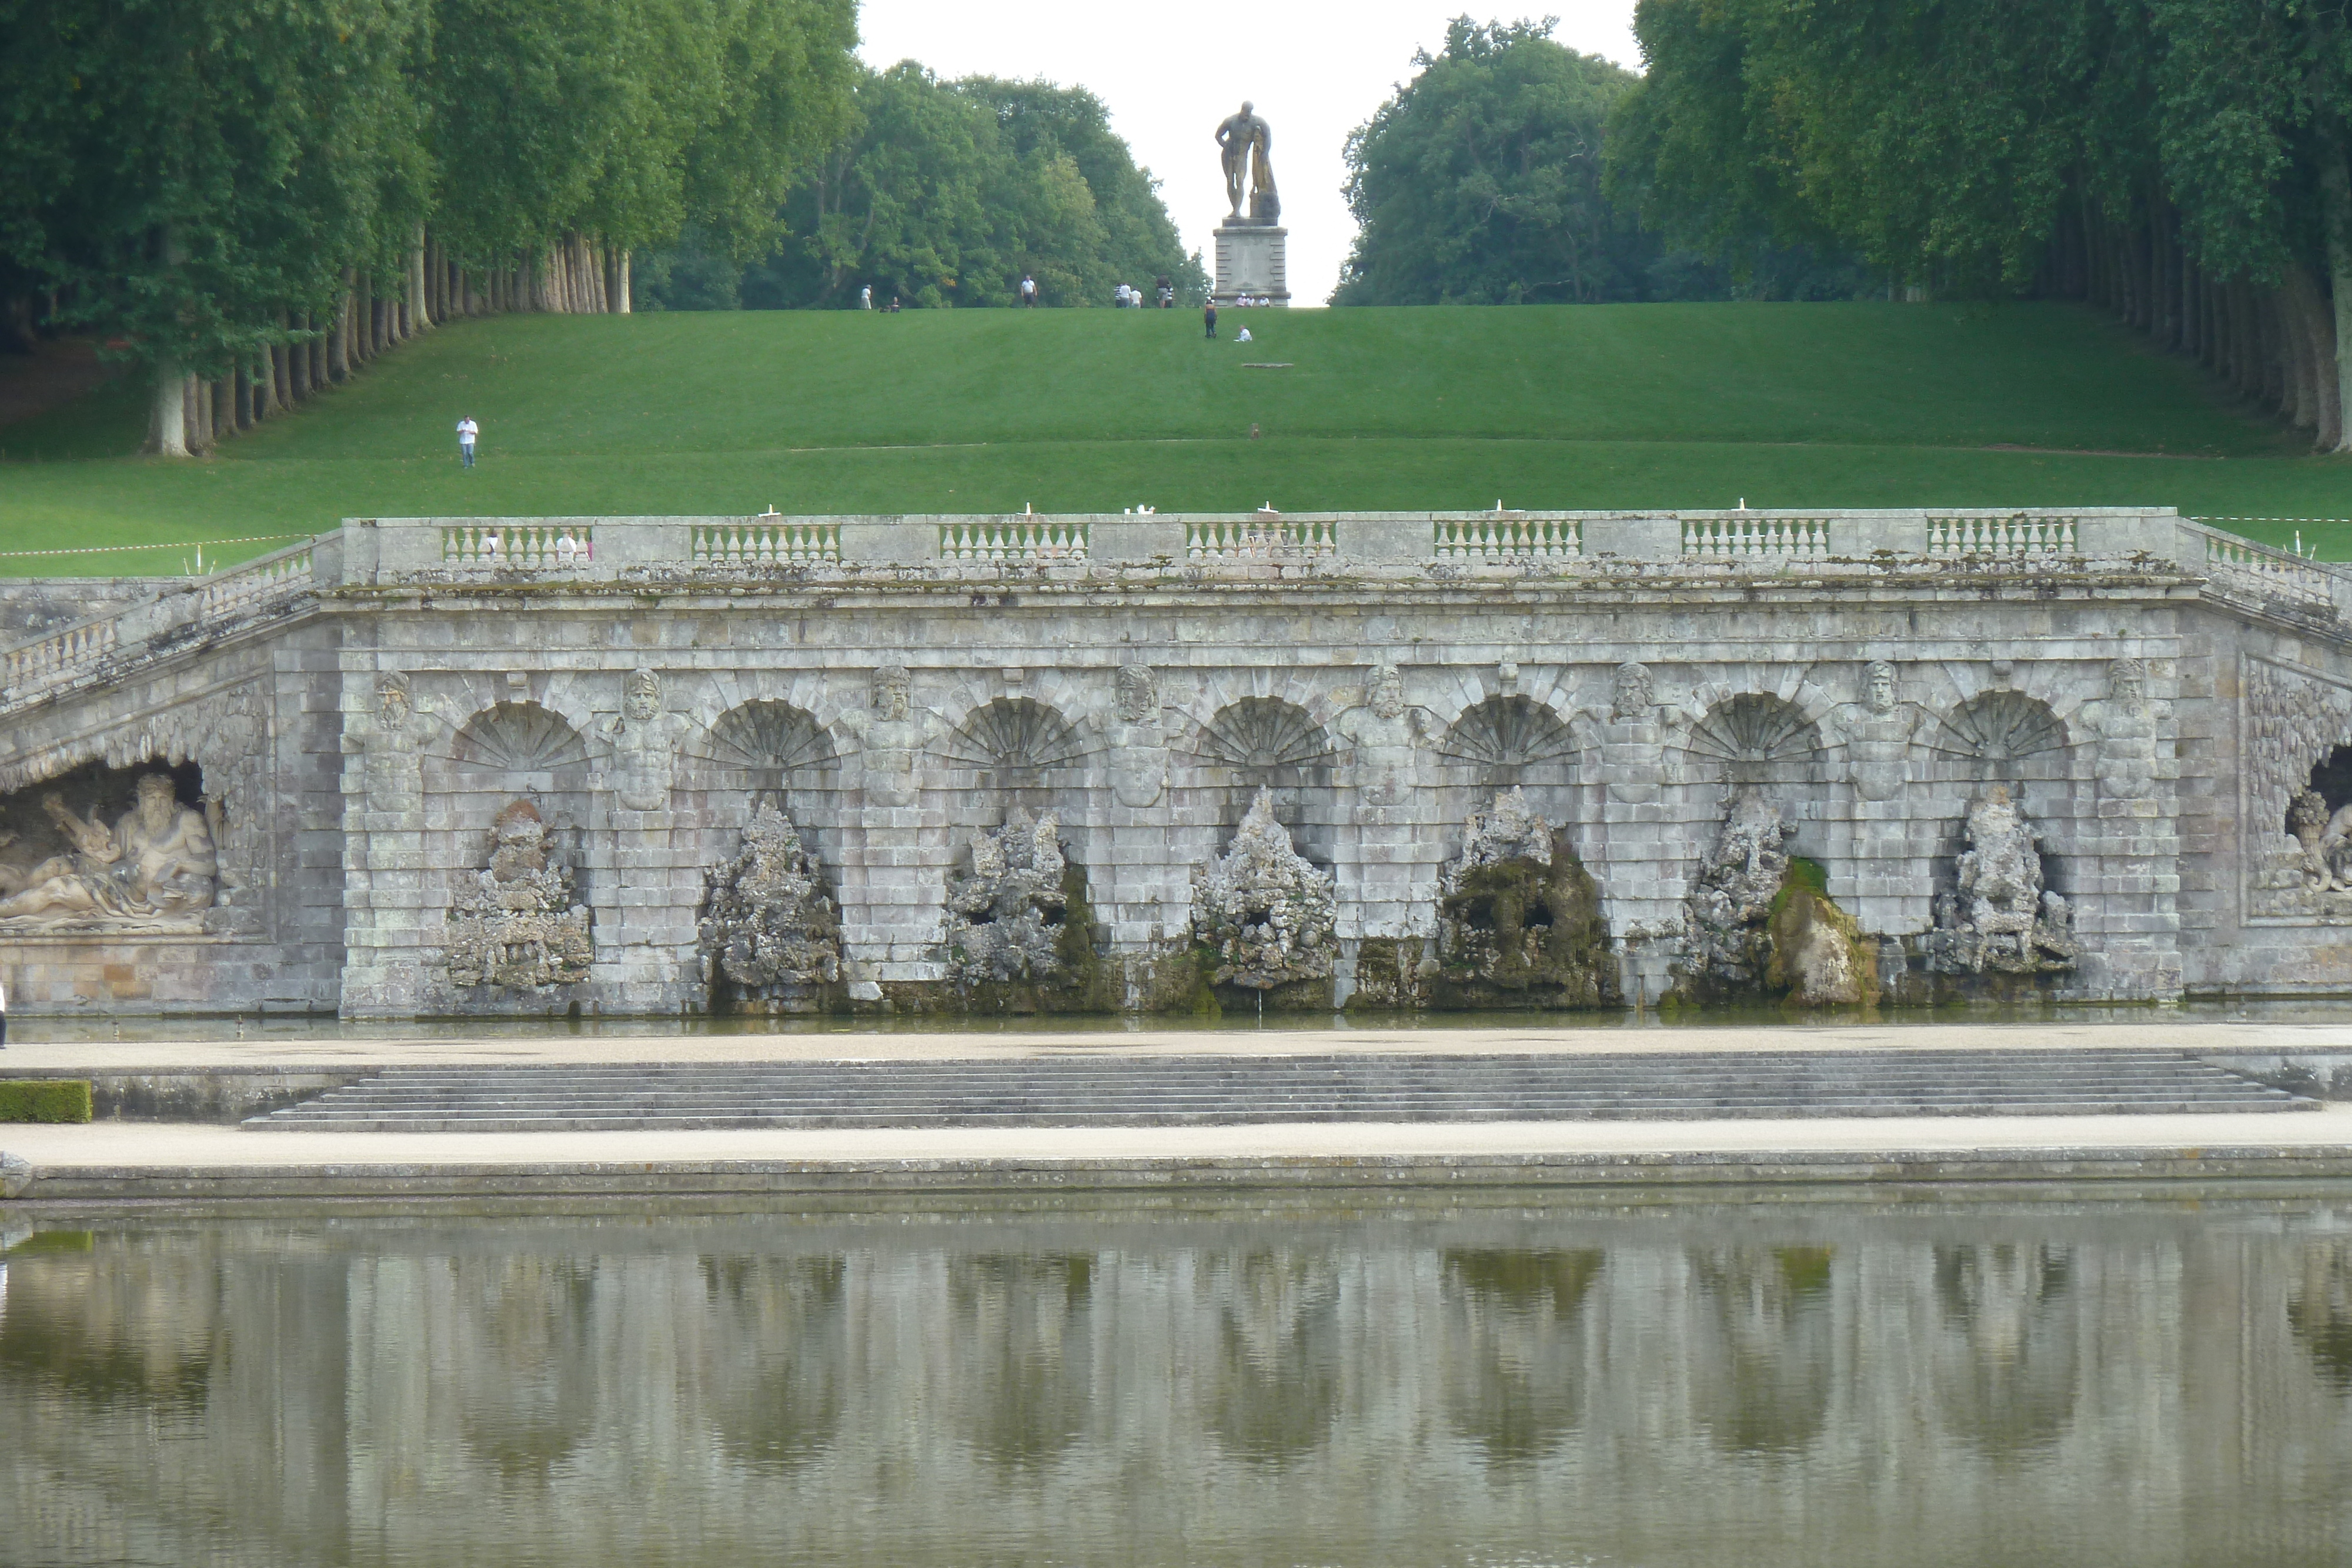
(183, 544)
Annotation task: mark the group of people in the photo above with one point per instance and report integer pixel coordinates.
(1131, 299)
(866, 301)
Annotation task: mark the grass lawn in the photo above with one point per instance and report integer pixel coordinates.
(1593, 406)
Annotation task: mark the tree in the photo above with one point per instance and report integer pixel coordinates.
(947, 192)
(1479, 181)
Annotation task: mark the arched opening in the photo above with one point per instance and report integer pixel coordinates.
(1998, 730)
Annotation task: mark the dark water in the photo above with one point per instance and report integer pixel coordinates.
(1728, 1383)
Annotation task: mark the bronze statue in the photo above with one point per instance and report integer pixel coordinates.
(1248, 142)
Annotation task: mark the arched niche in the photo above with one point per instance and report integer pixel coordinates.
(521, 740)
(2004, 736)
(1507, 741)
(1254, 743)
(770, 750)
(1757, 738)
(1017, 749)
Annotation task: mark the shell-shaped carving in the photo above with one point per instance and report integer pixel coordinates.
(1264, 732)
(1754, 727)
(770, 735)
(1507, 732)
(519, 738)
(1014, 733)
(2000, 725)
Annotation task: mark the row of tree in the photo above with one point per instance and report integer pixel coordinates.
(252, 196)
(2183, 162)
(950, 193)
(1480, 182)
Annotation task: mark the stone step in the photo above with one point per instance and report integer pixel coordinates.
(1197, 1090)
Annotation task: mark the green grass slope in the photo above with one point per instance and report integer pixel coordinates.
(1691, 405)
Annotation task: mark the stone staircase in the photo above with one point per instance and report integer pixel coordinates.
(1099, 1090)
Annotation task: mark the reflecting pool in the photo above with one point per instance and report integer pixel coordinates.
(2083, 1382)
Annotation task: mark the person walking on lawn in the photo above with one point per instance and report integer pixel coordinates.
(1209, 318)
(466, 433)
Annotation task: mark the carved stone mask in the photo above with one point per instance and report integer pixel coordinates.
(1631, 698)
(1882, 687)
(1388, 692)
(1138, 694)
(391, 700)
(642, 698)
(2127, 678)
(890, 692)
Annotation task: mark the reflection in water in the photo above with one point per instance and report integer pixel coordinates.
(1517, 1319)
(1768, 1384)
(1279, 1351)
(2320, 1310)
(2009, 1386)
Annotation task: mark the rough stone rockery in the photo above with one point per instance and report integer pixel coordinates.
(1519, 920)
(771, 933)
(519, 927)
(1005, 918)
(1999, 916)
(1262, 912)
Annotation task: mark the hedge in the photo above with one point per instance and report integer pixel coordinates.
(45, 1100)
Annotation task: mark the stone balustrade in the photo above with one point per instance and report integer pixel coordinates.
(391, 550)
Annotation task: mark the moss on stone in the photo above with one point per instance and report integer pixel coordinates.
(1392, 975)
(1816, 953)
(1086, 984)
(1518, 933)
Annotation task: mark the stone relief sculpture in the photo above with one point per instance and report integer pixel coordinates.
(518, 926)
(1387, 735)
(2123, 727)
(1520, 918)
(1635, 731)
(644, 745)
(155, 870)
(1264, 913)
(770, 933)
(1877, 732)
(1138, 741)
(390, 743)
(892, 737)
(1005, 917)
(2002, 916)
(2294, 724)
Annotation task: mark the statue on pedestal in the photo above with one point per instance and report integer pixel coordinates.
(1247, 141)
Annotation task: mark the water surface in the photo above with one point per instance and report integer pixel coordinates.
(1734, 1381)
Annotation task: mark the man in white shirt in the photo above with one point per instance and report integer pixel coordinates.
(1028, 291)
(466, 433)
(866, 298)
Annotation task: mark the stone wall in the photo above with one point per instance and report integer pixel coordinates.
(2151, 694)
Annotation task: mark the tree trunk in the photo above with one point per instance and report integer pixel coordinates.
(2310, 324)
(339, 347)
(2336, 218)
(621, 284)
(418, 318)
(224, 412)
(298, 361)
(168, 421)
(197, 399)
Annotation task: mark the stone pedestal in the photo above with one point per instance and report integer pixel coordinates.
(1254, 261)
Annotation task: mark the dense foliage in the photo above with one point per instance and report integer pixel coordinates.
(1481, 182)
(2181, 161)
(249, 194)
(947, 192)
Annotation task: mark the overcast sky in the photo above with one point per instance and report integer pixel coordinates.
(1316, 71)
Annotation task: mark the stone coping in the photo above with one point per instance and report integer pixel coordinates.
(1613, 1036)
(101, 1165)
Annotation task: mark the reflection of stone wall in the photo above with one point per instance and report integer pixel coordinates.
(1922, 1388)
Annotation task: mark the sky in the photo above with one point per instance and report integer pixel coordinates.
(1315, 70)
